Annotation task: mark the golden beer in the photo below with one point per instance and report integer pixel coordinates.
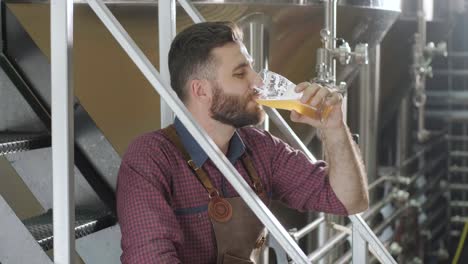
(293, 104)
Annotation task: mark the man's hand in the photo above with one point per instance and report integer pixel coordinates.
(346, 171)
(326, 100)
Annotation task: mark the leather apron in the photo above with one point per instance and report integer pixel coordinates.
(240, 236)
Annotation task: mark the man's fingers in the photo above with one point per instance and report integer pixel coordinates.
(302, 86)
(310, 92)
(333, 98)
(319, 96)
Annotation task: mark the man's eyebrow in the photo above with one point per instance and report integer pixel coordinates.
(243, 64)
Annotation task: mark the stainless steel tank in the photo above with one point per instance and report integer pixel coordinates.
(122, 102)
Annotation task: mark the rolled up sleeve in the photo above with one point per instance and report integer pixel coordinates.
(301, 183)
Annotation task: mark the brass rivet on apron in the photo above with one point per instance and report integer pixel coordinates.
(219, 209)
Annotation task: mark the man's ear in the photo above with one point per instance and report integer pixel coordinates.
(200, 90)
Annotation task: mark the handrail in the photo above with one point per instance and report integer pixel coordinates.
(213, 152)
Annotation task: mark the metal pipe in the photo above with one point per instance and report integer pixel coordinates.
(376, 245)
(326, 73)
(458, 54)
(451, 72)
(389, 219)
(444, 98)
(369, 85)
(167, 32)
(419, 71)
(434, 182)
(257, 26)
(448, 115)
(460, 154)
(458, 186)
(431, 201)
(424, 150)
(461, 138)
(427, 168)
(331, 8)
(192, 11)
(421, 15)
(308, 228)
(459, 203)
(376, 207)
(287, 131)
(213, 152)
(438, 228)
(61, 40)
(403, 135)
(331, 244)
(458, 219)
(377, 182)
(359, 248)
(346, 258)
(435, 215)
(458, 169)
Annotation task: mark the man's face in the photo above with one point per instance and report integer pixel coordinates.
(233, 101)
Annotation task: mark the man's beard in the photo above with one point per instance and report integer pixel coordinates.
(232, 109)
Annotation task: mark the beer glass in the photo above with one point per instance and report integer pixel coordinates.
(276, 91)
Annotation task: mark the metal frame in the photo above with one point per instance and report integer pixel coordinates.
(17, 245)
(166, 13)
(213, 152)
(93, 173)
(162, 87)
(61, 22)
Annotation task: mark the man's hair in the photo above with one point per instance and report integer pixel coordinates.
(190, 55)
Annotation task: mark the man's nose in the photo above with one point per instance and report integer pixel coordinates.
(257, 80)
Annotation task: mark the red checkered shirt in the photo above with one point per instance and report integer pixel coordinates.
(162, 207)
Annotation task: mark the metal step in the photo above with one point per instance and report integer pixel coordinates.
(86, 222)
(11, 142)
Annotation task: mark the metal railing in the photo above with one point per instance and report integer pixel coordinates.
(62, 24)
(213, 152)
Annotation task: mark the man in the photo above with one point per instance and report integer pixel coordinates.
(174, 206)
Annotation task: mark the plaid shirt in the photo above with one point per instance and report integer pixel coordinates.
(162, 207)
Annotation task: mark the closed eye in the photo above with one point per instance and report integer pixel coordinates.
(239, 74)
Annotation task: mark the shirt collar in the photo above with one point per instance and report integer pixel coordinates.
(198, 155)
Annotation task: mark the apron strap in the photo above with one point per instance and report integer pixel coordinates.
(171, 133)
(256, 182)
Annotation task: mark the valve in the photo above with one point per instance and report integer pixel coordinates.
(425, 70)
(343, 53)
(441, 49)
(324, 35)
(361, 54)
(395, 249)
(342, 88)
(401, 196)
